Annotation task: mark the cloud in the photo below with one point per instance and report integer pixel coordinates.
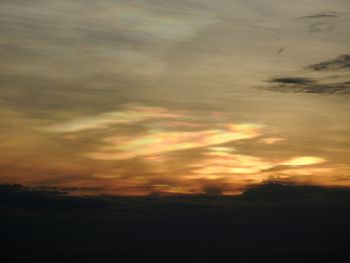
(221, 149)
(222, 163)
(341, 62)
(292, 80)
(238, 168)
(328, 88)
(83, 38)
(158, 142)
(322, 83)
(322, 22)
(301, 161)
(322, 15)
(129, 115)
(162, 133)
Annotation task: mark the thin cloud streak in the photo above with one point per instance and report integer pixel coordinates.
(131, 114)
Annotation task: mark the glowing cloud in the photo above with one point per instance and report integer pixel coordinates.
(301, 161)
(220, 164)
(224, 163)
(221, 149)
(271, 140)
(158, 142)
(131, 114)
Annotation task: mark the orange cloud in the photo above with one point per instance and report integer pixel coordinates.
(301, 161)
(131, 114)
(240, 169)
(158, 142)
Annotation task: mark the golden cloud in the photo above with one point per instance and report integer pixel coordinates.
(301, 161)
(157, 142)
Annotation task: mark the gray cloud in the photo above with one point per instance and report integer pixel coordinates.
(322, 22)
(321, 15)
(341, 62)
(292, 80)
(322, 85)
(342, 88)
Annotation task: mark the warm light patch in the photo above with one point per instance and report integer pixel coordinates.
(221, 149)
(271, 140)
(300, 161)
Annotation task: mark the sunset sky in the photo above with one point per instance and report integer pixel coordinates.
(187, 96)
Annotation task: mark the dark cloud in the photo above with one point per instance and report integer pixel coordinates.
(322, 15)
(322, 22)
(332, 88)
(292, 80)
(341, 62)
(334, 85)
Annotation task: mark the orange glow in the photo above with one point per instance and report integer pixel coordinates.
(158, 142)
(272, 140)
(170, 151)
(301, 161)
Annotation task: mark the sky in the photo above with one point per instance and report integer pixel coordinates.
(137, 97)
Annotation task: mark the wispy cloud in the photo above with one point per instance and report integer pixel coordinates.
(322, 83)
(301, 161)
(341, 62)
(342, 88)
(322, 22)
(158, 142)
(292, 80)
(239, 169)
(129, 115)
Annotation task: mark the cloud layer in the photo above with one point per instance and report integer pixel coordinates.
(133, 97)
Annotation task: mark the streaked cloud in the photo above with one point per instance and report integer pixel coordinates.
(129, 115)
(240, 169)
(320, 82)
(322, 22)
(157, 142)
(341, 62)
(222, 149)
(301, 161)
(342, 88)
(292, 80)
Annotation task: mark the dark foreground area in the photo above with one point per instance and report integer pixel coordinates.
(268, 223)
